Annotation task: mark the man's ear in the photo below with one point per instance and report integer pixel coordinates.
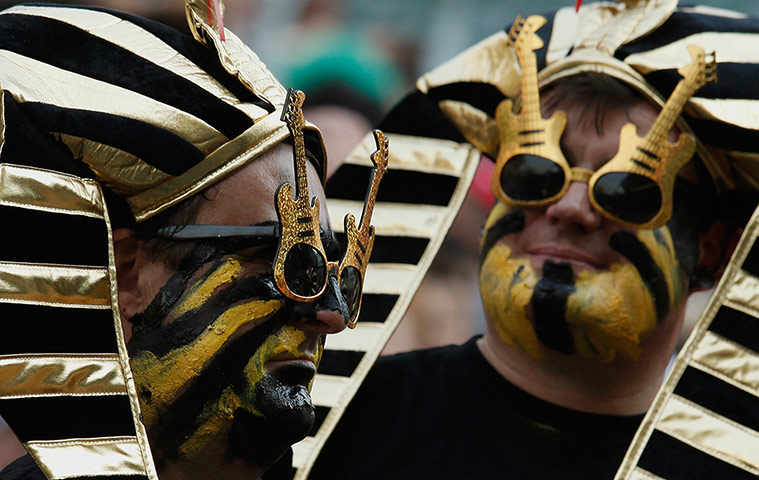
(716, 246)
(126, 247)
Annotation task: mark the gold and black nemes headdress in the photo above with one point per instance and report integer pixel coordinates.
(107, 119)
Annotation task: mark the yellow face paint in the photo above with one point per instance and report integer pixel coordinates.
(199, 293)
(610, 313)
(506, 286)
(164, 377)
(286, 341)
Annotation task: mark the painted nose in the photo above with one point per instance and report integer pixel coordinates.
(574, 209)
(332, 313)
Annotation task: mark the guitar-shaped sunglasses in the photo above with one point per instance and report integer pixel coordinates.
(634, 188)
(301, 270)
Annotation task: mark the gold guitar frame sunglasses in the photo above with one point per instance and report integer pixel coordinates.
(635, 188)
(301, 270)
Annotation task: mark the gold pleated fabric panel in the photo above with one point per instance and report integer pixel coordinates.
(442, 158)
(96, 457)
(722, 354)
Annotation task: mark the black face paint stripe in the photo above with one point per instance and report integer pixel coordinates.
(512, 222)
(190, 325)
(549, 305)
(169, 294)
(178, 422)
(628, 245)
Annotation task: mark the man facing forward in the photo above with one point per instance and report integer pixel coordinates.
(605, 222)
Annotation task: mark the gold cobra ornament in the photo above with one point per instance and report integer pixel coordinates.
(361, 239)
(653, 156)
(299, 218)
(528, 133)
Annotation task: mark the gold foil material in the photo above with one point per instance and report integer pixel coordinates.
(133, 39)
(429, 155)
(726, 46)
(48, 375)
(85, 287)
(480, 129)
(235, 56)
(402, 280)
(742, 113)
(108, 456)
(711, 433)
(121, 171)
(745, 292)
(729, 361)
(704, 350)
(35, 81)
(51, 191)
(392, 219)
(491, 61)
(255, 141)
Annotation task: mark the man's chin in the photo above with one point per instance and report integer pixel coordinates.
(286, 417)
(282, 398)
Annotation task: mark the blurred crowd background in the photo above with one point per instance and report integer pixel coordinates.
(355, 59)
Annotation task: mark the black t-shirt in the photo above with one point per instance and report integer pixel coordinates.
(446, 413)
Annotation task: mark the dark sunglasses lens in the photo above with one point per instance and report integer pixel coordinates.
(531, 178)
(630, 197)
(305, 270)
(350, 287)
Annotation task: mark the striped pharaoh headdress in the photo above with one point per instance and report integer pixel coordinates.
(106, 119)
(438, 133)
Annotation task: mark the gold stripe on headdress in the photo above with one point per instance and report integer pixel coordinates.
(62, 286)
(50, 191)
(93, 457)
(35, 81)
(393, 219)
(234, 55)
(125, 173)
(709, 432)
(55, 375)
(728, 47)
(490, 61)
(728, 361)
(717, 357)
(139, 42)
(256, 140)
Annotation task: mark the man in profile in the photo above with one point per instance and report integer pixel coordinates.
(614, 165)
(165, 287)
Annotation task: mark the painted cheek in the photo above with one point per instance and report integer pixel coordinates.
(662, 248)
(198, 294)
(166, 376)
(610, 313)
(506, 286)
(498, 211)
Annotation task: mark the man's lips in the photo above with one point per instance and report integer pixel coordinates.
(304, 360)
(575, 257)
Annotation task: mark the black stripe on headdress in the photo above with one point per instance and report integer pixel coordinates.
(196, 52)
(667, 457)
(401, 186)
(79, 240)
(160, 148)
(58, 418)
(42, 329)
(73, 49)
(683, 24)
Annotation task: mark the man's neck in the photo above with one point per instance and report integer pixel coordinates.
(620, 387)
